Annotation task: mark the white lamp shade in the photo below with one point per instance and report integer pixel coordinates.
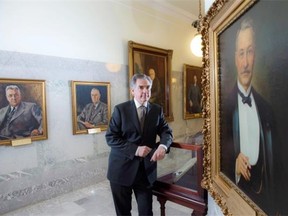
(196, 45)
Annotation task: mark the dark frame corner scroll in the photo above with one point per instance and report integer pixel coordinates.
(29, 121)
(221, 60)
(83, 109)
(144, 58)
(192, 92)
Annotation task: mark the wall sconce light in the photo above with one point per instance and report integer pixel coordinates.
(196, 43)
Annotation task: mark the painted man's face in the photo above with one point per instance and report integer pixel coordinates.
(245, 56)
(14, 97)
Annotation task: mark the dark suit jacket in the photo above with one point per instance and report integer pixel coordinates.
(230, 141)
(100, 116)
(27, 117)
(124, 136)
(194, 94)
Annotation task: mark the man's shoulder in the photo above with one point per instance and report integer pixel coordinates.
(4, 109)
(102, 104)
(125, 104)
(27, 104)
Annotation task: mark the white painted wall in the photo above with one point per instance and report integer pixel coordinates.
(91, 29)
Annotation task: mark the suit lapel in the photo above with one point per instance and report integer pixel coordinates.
(21, 108)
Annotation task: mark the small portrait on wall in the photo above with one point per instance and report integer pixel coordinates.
(91, 106)
(22, 110)
(192, 92)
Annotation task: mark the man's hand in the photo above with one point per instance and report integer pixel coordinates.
(159, 154)
(190, 103)
(243, 166)
(35, 132)
(88, 125)
(143, 151)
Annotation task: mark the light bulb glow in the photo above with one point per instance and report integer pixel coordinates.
(196, 45)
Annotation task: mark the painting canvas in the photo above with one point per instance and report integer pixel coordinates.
(22, 110)
(91, 106)
(156, 63)
(192, 91)
(244, 106)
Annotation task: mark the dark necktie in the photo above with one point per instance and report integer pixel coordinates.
(141, 113)
(245, 99)
(10, 115)
(92, 113)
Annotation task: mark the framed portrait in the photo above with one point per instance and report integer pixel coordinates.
(156, 63)
(22, 111)
(244, 105)
(192, 91)
(91, 109)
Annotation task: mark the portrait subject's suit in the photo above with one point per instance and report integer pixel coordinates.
(124, 136)
(194, 94)
(98, 116)
(156, 92)
(27, 117)
(259, 188)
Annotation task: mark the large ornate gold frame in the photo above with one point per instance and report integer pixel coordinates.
(229, 197)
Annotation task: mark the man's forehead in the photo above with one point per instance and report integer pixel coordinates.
(12, 91)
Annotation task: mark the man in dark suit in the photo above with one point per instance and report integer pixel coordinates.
(134, 152)
(247, 129)
(93, 114)
(194, 97)
(19, 119)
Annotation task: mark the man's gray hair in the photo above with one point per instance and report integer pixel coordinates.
(245, 24)
(139, 76)
(12, 87)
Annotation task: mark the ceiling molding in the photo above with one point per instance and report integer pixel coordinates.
(173, 8)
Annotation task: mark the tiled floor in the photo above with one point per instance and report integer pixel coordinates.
(95, 200)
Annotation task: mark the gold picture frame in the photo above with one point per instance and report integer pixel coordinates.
(29, 120)
(192, 91)
(88, 118)
(157, 61)
(221, 48)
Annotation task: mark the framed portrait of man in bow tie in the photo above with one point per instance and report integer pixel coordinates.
(245, 103)
(22, 111)
(91, 109)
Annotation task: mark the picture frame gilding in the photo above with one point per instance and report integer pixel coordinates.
(88, 118)
(192, 91)
(29, 120)
(219, 29)
(158, 62)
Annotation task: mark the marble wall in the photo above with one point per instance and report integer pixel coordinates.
(65, 162)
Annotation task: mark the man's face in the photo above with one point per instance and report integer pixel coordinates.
(95, 96)
(244, 57)
(152, 74)
(195, 79)
(142, 91)
(14, 97)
